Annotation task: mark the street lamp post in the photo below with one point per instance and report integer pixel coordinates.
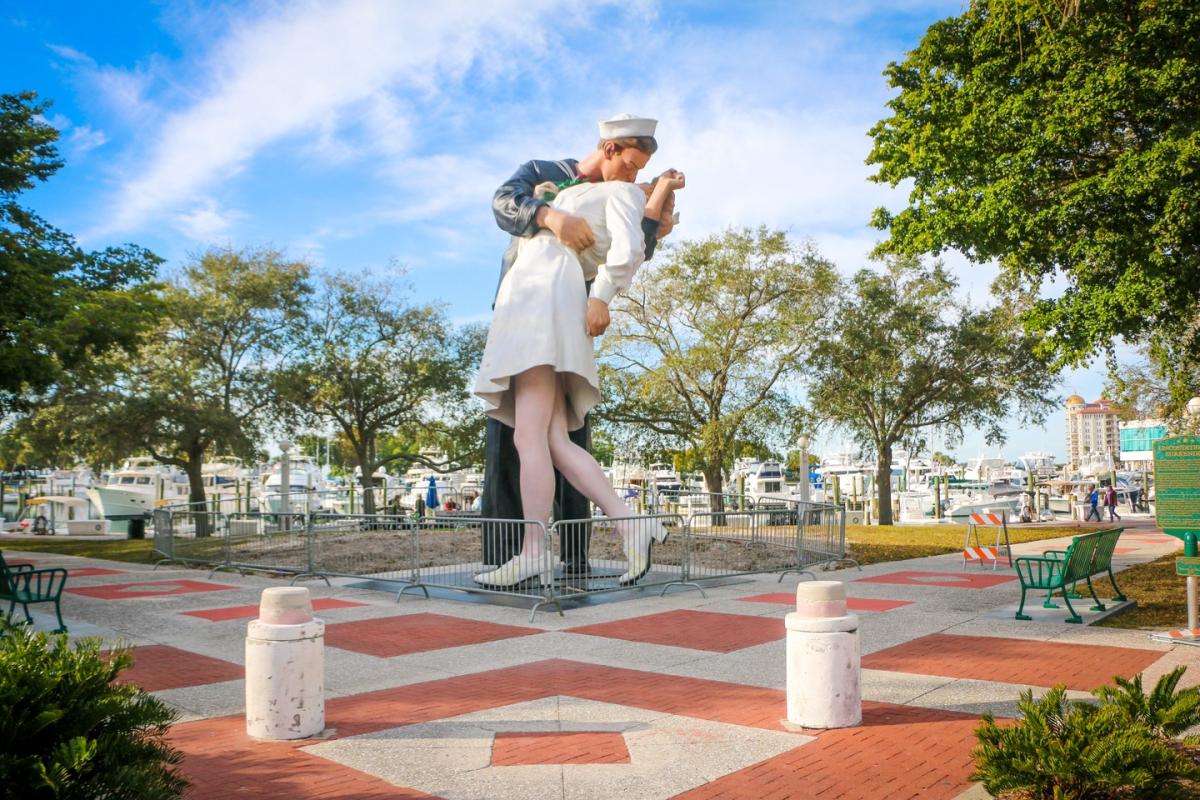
(804, 487)
(285, 482)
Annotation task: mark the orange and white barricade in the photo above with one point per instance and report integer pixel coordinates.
(974, 550)
(1185, 636)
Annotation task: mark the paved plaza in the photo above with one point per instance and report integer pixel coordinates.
(646, 697)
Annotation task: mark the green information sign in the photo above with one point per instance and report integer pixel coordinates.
(1187, 565)
(1177, 484)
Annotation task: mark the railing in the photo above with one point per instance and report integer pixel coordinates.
(519, 558)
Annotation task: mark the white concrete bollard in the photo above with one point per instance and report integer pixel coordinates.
(824, 671)
(285, 667)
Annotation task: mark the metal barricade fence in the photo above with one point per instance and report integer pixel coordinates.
(268, 542)
(520, 558)
(374, 546)
(164, 534)
(482, 555)
(724, 543)
(193, 534)
(605, 554)
(822, 535)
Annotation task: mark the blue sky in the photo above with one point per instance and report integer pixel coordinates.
(360, 134)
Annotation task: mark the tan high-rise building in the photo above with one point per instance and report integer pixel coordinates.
(1092, 428)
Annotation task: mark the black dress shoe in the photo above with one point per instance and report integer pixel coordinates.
(576, 569)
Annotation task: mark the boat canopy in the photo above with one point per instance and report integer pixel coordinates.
(56, 498)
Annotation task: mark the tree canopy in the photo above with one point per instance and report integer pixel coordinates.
(1063, 140)
(375, 365)
(701, 348)
(202, 379)
(59, 305)
(905, 356)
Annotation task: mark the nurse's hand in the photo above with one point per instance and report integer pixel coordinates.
(597, 317)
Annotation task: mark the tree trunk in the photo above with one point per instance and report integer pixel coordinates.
(196, 498)
(713, 484)
(883, 483)
(365, 470)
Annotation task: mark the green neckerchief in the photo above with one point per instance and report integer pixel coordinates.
(548, 196)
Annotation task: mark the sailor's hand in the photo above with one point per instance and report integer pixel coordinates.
(573, 231)
(597, 317)
(544, 188)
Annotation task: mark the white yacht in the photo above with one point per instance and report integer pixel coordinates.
(306, 486)
(1038, 463)
(1098, 464)
(985, 468)
(762, 478)
(137, 488)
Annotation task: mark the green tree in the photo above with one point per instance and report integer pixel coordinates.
(203, 377)
(905, 356)
(1149, 388)
(701, 347)
(1062, 139)
(59, 305)
(374, 365)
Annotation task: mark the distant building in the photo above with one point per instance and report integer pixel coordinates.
(1092, 428)
(1137, 440)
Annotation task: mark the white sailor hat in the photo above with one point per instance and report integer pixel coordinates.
(626, 125)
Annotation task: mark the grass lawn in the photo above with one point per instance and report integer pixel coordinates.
(1161, 597)
(873, 544)
(138, 551)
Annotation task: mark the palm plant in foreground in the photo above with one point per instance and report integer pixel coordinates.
(1121, 747)
(71, 732)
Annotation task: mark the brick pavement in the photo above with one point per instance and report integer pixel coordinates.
(698, 630)
(251, 612)
(852, 603)
(899, 751)
(416, 633)
(951, 580)
(530, 748)
(131, 591)
(1079, 666)
(157, 667)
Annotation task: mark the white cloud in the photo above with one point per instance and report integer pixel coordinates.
(289, 72)
(85, 138)
(206, 221)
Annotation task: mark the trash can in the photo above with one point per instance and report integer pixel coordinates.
(137, 528)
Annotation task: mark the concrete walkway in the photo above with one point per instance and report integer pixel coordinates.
(651, 697)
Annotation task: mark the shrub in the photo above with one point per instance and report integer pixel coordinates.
(72, 733)
(1080, 750)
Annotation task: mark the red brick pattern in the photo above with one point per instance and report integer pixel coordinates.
(91, 572)
(900, 751)
(698, 630)
(158, 667)
(129, 591)
(416, 633)
(223, 762)
(904, 751)
(251, 612)
(1079, 666)
(954, 580)
(852, 603)
(522, 749)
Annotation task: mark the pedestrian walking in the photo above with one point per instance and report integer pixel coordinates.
(1093, 506)
(1110, 502)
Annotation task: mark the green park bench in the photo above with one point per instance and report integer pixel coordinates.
(24, 585)
(1060, 570)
